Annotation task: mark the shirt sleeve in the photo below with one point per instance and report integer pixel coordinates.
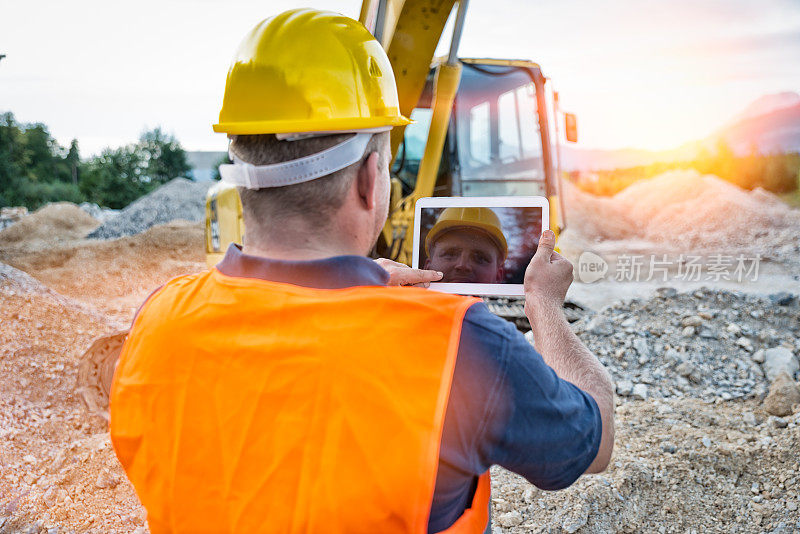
(537, 425)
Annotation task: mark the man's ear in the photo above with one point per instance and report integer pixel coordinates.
(366, 181)
(501, 274)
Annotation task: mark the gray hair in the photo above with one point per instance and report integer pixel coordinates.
(315, 201)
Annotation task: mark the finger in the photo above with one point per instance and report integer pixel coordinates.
(418, 276)
(547, 243)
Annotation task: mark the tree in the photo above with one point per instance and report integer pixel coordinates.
(224, 160)
(164, 159)
(73, 161)
(35, 169)
(115, 178)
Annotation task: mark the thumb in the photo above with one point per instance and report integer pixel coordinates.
(546, 245)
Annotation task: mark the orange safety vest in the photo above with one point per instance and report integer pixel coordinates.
(245, 405)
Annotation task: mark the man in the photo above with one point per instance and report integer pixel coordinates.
(467, 245)
(294, 389)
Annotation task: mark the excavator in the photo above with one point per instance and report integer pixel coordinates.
(481, 127)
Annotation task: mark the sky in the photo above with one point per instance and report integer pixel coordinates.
(638, 73)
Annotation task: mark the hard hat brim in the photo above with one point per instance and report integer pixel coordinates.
(301, 126)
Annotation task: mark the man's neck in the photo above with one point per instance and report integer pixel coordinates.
(299, 250)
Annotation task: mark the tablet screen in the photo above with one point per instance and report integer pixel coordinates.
(479, 245)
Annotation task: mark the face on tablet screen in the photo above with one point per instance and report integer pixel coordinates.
(479, 245)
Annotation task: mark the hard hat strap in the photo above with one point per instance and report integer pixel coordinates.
(299, 170)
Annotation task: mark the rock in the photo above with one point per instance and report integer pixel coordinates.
(529, 494)
(29, 459)
(778, 422)
(666, 292)
(685, 369)
(106, 480)
(669, 447)
(510, 519)
(779, 360)
(575, 518)
(688, 331)
(640, 391)
(641, 346)
(706, 442)
(734, 329)
(693, 320)
(782, 298)
(689, 371)
(707, 333)
(783, 397)
(630, 322)
(599, 325)
(672, 356)
(745, 343)
(50, 497)
(758, 356)
(750, 419)
(624, 388)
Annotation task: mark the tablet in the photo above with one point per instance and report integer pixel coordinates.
(482, 245)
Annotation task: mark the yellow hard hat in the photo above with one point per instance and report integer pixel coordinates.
(481, 218)
(309, 71)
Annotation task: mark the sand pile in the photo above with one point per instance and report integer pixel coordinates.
(57, 466)
(59, 221)
(116, 276)
(177, 199)
(682, 207)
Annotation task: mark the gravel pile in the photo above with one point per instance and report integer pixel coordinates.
(178, 199)
(706, 344)
(681, 466)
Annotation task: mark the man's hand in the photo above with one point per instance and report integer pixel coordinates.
(403, 275)
(549, 274)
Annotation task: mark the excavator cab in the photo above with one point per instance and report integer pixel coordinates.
(494, 143)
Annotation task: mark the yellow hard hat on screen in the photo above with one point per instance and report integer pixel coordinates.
(481, 218)
(309, 71)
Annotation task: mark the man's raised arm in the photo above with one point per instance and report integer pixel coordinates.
(547, 279)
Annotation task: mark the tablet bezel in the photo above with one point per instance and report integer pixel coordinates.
(472, 202)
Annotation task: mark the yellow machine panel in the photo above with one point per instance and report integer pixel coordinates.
(224, 221)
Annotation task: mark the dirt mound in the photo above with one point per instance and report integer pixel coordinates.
(52, 456)
(59, 221)
(177, 199)
(116, 276)
(681, 206)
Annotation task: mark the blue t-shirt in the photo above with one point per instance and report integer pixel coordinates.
(506, 406)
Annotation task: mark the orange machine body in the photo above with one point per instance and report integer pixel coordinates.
(244, 405)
